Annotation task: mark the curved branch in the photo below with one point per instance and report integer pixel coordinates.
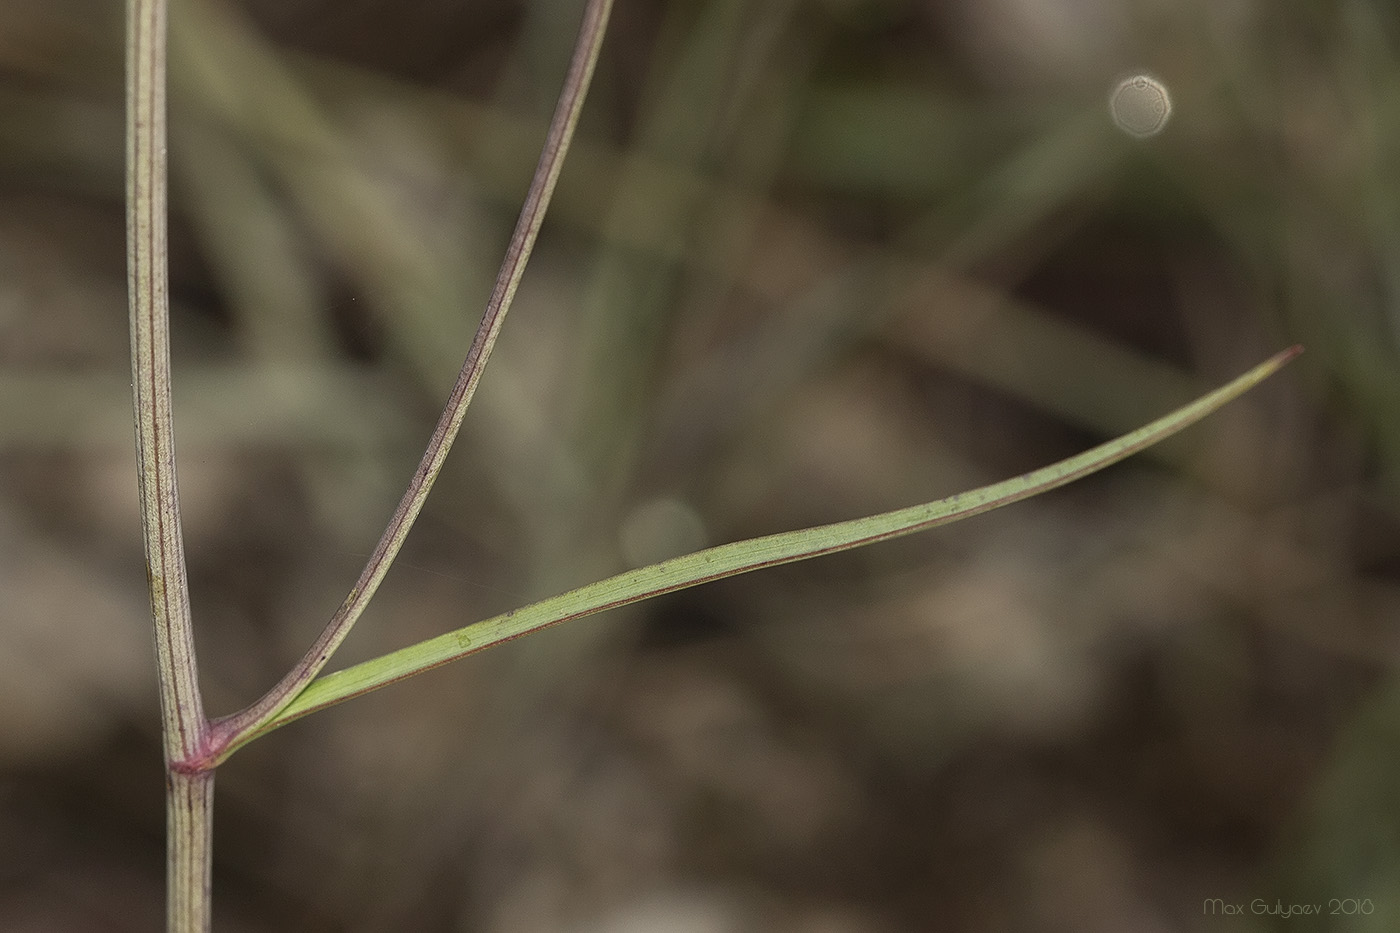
(232, 730)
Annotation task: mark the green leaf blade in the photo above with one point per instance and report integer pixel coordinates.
(728, 560)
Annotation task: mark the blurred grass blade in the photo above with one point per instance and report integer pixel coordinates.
(743, 556)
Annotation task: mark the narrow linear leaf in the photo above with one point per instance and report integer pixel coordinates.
(728, 560)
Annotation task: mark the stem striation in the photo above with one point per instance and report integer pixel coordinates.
(185, 729)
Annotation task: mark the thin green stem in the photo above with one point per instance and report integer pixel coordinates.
(185, 729)
(232, 730)
(148, 282)
(189, 822)
(729, 560)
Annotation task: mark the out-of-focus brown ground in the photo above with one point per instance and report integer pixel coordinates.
(808, 261)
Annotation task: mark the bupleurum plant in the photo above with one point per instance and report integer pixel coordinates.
(196, 745)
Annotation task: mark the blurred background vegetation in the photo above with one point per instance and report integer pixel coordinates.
(809, 260)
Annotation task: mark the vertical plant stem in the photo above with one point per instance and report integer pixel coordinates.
(230, 730)
(189, 818)
(182, 709)
(184, 726)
